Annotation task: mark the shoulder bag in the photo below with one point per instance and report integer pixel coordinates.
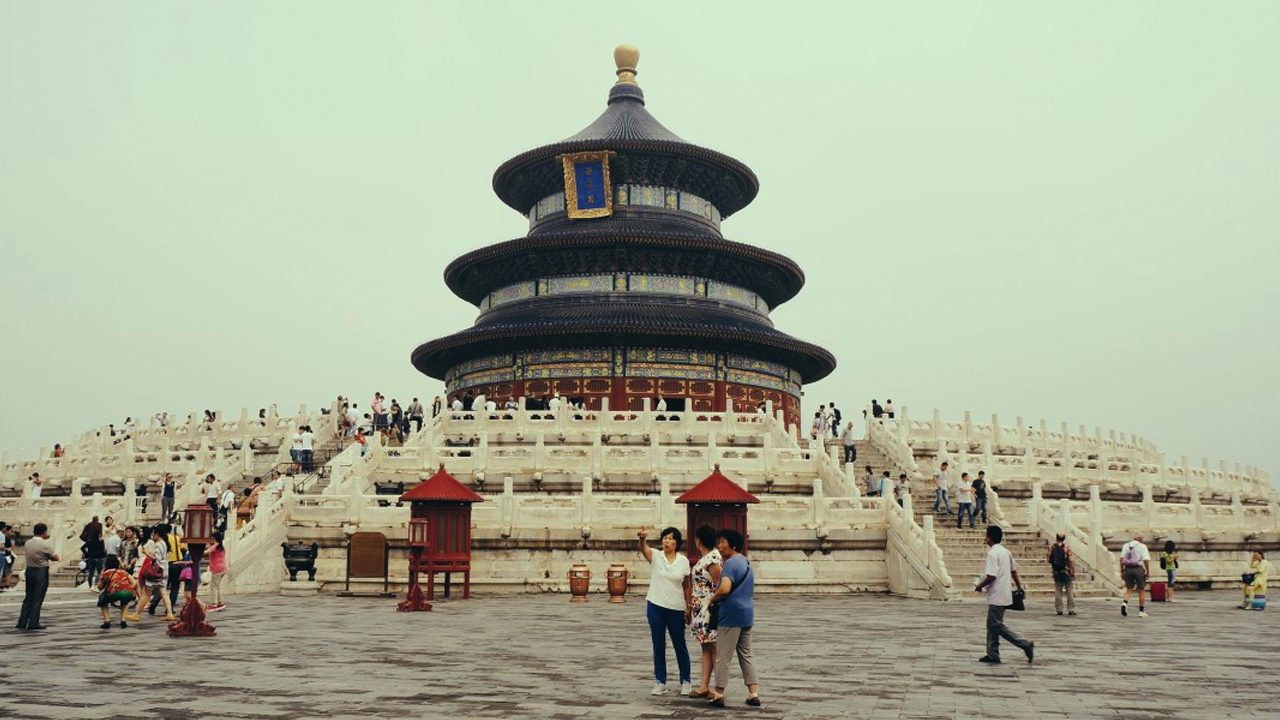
(713, 620)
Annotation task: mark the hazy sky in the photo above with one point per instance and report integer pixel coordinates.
(1066, 211)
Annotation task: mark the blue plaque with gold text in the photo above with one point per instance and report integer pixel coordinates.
(587, 191)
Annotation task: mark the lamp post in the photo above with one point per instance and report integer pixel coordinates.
(199, 527)
(419, 539)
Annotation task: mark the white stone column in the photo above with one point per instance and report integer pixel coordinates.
(819, 503)
(1033, 508)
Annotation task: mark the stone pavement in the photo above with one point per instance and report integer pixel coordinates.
(538, 656)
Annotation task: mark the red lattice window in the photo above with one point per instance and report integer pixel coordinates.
(566, 387)
(671, 387)
(756, 395)
(639, 386)
(699, 387)
(537, 387)
(597, 386)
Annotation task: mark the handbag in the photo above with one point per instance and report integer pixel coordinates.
(1248, 578)
(713, 613)
(151, 571)
(1019, 600)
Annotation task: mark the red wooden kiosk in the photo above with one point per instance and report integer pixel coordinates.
(719, 502)
(439, 536)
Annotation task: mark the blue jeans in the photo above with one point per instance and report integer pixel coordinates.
(981, 509)
(965, 509)
(940, 496)
(667, 622)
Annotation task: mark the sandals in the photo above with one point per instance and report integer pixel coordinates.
(754, 701)
(716, 702)
(700, 694)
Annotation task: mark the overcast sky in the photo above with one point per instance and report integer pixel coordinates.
(1065, 211)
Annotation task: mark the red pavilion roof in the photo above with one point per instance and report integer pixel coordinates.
(441, 487)
(717, 488)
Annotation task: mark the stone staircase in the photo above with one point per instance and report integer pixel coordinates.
(965, 552)
(867, 455)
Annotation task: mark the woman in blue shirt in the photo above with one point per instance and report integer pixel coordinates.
(737, 615)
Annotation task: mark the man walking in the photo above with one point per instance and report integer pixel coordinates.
(39, 552)
(846, 439)
(1000, 569)
(964, 498)
(980, 496)
(1064, 574)
(1135, 568)
(835, 420)
(941, 482)
(873, 483)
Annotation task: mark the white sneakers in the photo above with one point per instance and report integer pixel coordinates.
(686, 688)
(1141, 614)
(658, 689)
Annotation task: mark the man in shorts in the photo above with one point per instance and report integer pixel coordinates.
(1135, 567)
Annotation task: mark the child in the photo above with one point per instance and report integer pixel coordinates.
(116, 586)
(218, 569)
(1169, 561)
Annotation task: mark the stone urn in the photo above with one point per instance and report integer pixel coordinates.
(618, 577)
(579, 582)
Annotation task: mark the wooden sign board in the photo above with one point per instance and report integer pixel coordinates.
(367, 559)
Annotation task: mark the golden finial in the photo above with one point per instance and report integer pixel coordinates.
(626, 57)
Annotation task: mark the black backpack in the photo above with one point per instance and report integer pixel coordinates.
(1058, 560)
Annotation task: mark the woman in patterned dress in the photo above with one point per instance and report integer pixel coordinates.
(706, 578)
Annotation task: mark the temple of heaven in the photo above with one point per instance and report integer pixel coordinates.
(624, 287)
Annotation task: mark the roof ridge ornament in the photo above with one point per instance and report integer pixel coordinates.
(626, 57)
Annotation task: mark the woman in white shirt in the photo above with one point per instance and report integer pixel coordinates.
(668, 601)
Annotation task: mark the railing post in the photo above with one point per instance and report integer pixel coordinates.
(819, 503)
(508, 502)
(1033, 508)
(997, 432)
(664, 502)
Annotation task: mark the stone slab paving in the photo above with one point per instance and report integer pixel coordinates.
(538, 656)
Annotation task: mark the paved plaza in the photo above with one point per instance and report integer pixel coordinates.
(538, 656)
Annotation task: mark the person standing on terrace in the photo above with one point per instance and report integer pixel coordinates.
(36, 484)
(980, 496)
(846, 439)
(167, 490)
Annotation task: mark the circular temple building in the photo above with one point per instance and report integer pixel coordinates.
(624, 287)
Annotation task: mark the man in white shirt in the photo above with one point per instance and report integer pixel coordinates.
(295, 450)
(227, 505)
(456, 405)
(902, 488)
(1000, 569)
(941, 482)
(964, 501)
(553, 404)
(1135, 568)
(846, 439)
(477, 403)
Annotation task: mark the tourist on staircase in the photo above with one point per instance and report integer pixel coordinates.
(736, 617)
(668, 606)
(941, 482)
(1000, 569)
(415, 415)
(212, 493)
(964, 502)
(226, 505)
(902, 488)
(847, 440)
(706, 578)
(1135, 568)
(818, 429)
(1063, 566)
(307, 450)
(980, 495)
(873, 482)
(168, 489)
(834, 423)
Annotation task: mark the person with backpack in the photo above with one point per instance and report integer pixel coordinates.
(1064, 575)
(1169, 563)
(1135, 568)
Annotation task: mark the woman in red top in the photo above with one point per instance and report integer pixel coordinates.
(217, 571)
